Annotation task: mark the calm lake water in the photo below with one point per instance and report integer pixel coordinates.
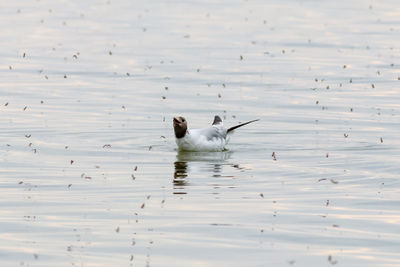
(89, 172)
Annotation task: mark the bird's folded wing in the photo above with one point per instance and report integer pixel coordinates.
(217, 120)
(212, 132)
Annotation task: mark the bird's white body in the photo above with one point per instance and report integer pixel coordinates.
(213, 138)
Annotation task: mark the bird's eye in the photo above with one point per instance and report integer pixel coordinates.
(183, 120)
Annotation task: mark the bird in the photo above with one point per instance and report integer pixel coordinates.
(213, 138)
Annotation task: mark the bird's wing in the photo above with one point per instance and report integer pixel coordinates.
(240, 125)
(215, 131)
(217, 120)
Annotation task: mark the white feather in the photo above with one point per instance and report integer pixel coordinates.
(213, 138)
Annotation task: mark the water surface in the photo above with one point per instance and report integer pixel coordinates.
(89, 172)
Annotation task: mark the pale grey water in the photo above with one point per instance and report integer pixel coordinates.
(312, 71)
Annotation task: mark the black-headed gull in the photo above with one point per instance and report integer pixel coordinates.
(213, 138)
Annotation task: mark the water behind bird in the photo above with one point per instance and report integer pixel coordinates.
(90, 174)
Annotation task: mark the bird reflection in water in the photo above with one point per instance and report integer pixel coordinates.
(187, 162)
(180, 175)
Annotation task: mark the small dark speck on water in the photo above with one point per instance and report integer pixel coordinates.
(327, 203)
(10, 67)
(28, 135)
(107, 145)
(333, 181)
(6, 104)
(25, 108)
(36, 256)
(135, 168)
(166, 87)
(273, 155)
(142, 206)
(262, 195)
(110, 53)
(331, 261)
(346, 135)
(65, 76)
(150, 147)
(372, 85)
(241, 57)
(381, 140)
(72, 161)
(23, 55)
(117, 230)
(164, 97)
(133, 177)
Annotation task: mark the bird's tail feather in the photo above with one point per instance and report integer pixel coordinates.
(240, 125)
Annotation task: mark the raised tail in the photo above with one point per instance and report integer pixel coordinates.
(240, 125)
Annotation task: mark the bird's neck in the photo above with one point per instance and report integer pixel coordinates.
(179, 133)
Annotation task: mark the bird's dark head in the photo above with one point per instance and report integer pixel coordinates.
(180, 126)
